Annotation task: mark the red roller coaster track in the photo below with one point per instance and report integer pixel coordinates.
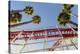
(40, 34)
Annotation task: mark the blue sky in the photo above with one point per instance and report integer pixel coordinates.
(47, 11)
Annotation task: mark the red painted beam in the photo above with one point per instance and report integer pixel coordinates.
(13, 34)
(40, 31)
(37, 31)
(42, 37)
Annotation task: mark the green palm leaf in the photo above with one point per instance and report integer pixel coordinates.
(28, 10)
(15, 17)
(36, 19)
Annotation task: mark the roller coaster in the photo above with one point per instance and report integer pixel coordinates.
(62, 34)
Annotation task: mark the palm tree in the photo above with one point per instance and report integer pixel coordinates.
(67, 8)
(36, 20)
(28, 10)
(15, 17)
(65, 16)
